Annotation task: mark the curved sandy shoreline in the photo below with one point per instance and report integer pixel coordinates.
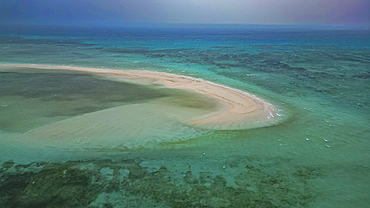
(241, 110)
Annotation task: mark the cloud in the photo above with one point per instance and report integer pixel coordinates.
(225, 11)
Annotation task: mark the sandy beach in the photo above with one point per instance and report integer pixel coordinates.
(239, 109)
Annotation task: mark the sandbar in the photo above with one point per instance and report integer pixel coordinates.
(240, 110)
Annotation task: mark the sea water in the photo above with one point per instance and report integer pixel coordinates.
(318, 156)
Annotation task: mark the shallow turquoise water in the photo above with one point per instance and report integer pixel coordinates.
(319, 77)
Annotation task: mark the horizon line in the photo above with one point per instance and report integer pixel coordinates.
(72, 22)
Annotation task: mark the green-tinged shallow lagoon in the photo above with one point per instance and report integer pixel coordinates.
(139, 155)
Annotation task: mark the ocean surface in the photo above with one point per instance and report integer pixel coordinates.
(318, 155)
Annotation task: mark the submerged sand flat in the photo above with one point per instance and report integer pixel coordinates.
(240, 110)
(123, 127)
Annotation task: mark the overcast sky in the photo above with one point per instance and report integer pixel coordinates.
(193, 11)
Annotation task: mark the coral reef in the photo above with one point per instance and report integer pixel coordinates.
(104, 183)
